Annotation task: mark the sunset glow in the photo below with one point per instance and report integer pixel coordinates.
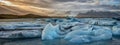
(56, 8)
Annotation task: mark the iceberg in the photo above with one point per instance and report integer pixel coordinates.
(76, 33)
(95, 33)
(118, 23)
(32, 33)
(98, 21)
(81, 26)
(20, 34)
(101, 34)
(116, 30)
(106, 22)
(102, 27)
(8, 27)
(50, 32)
(81, 39)
(55, 20)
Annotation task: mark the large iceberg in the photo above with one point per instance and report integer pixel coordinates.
(95, 33)
(50, 32)
(101, 34)
(76, 33)
(81, 39)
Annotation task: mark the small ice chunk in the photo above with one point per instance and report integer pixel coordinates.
(116, 30)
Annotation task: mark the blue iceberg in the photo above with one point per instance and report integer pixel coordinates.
(81, 39)
(76, 33)
(116, 30)
(95, 33)
(104, 22)
(101, 34)
(20, 34)
(50, 32)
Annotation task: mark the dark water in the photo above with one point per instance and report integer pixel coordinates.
(37, 41)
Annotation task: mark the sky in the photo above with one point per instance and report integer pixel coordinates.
(45, 7)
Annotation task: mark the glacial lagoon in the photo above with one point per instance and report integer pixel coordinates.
(90, 23)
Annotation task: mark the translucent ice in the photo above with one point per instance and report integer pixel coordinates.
(76, 33)
(101, 34)
(20, 34)
(50, 32)
(81, 39)
(116, 30)
(94, 33)
(102, 21)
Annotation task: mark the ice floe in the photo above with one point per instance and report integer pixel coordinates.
(20, 34)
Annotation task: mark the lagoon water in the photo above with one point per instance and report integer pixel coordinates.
(37, 41)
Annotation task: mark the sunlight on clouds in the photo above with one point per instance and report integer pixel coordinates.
(71, 8)
(7, 3)
(32, 9)
(1, 0)
(29, 8)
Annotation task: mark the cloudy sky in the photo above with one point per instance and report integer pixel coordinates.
(46, 6)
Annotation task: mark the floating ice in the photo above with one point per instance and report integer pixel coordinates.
(50, 32)
(81, 39)
(102, 22)
(90, 34)
(118, 22)
(81, 26)
(101, 34)
(102, 27)
(32, 33)
(8, 27)
(75, 33)
(116, 30)
(55, 20)
(20, 34)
